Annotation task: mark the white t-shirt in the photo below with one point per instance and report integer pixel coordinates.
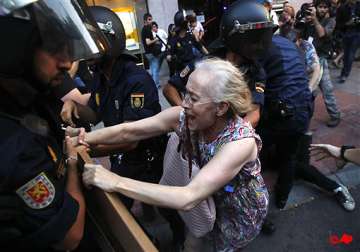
(199, 27)
(163, 36)
(274, 17)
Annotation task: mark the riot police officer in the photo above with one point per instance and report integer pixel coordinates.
(123, 92)
(287, 111)
(42, 206)
(184, 52)
(245, 35)
(286, 101)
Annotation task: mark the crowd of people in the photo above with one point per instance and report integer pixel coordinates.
(240, 104)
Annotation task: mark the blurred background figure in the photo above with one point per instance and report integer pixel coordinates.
(196, 27)
(348, 21)
(273, 16)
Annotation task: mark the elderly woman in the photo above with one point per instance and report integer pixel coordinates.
(216, 98)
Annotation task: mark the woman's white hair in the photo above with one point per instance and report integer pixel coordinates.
(226, 84)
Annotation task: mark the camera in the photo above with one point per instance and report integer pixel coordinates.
(300, 19)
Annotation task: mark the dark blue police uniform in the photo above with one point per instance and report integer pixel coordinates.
(36, 211)
(130, 95)
(179, 79)
(185, 50)
(255, 77)
(287, 110)
(288, 99)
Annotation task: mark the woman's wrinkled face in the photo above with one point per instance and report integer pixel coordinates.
(199, 107)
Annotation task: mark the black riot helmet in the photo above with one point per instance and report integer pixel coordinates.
(111, 25)
(54, 26)
(180, 19)
(246, 28)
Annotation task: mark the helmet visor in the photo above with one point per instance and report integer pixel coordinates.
(67, 26)
(7, 7)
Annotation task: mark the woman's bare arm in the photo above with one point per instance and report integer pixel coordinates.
(315, 76)
(161, 123)
(214, 175)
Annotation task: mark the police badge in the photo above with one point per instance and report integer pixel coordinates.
(137, 100)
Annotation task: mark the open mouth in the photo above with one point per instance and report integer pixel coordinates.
(189, 117)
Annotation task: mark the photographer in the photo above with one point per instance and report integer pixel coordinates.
(318, 29)
(348, 21)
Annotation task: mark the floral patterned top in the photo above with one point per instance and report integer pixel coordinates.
(311, 58)
(242, 204)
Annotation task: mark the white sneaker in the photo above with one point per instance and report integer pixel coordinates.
(344, 197)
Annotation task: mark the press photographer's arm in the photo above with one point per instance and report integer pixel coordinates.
(312, 18)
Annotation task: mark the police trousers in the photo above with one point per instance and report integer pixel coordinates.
(285, 144)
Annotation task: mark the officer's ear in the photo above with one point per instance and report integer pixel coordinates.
(222, 108)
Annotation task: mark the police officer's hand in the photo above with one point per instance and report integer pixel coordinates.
(98, 176)
(321, 151)
(77, 135)
(69, 110)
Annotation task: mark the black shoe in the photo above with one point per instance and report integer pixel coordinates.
(342, 79)
(280, 203)
(333, 122)
(268, 227)
(280, 198)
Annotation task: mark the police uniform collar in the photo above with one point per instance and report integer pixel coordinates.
(20, 90)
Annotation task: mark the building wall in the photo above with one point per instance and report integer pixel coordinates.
(163, 11)
(297, 3)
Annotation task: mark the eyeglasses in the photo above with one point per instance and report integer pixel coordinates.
(191, 102)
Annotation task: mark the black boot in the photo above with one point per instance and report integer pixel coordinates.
(268, 227)
(303, 153)
(281, 197)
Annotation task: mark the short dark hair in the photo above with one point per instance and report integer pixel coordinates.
(154, 23)
(326, 2)
(190, 18)
(147, 15)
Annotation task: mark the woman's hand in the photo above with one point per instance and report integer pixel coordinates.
(69, 110)
(98, 176)
(77, 135)
(321, 151)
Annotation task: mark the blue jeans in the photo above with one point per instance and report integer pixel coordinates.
(327, 90)
(155, 64)
(351, 42)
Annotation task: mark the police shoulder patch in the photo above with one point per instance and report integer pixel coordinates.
(259, 87)
(137, 100)
(38, 193)
(184, 72)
